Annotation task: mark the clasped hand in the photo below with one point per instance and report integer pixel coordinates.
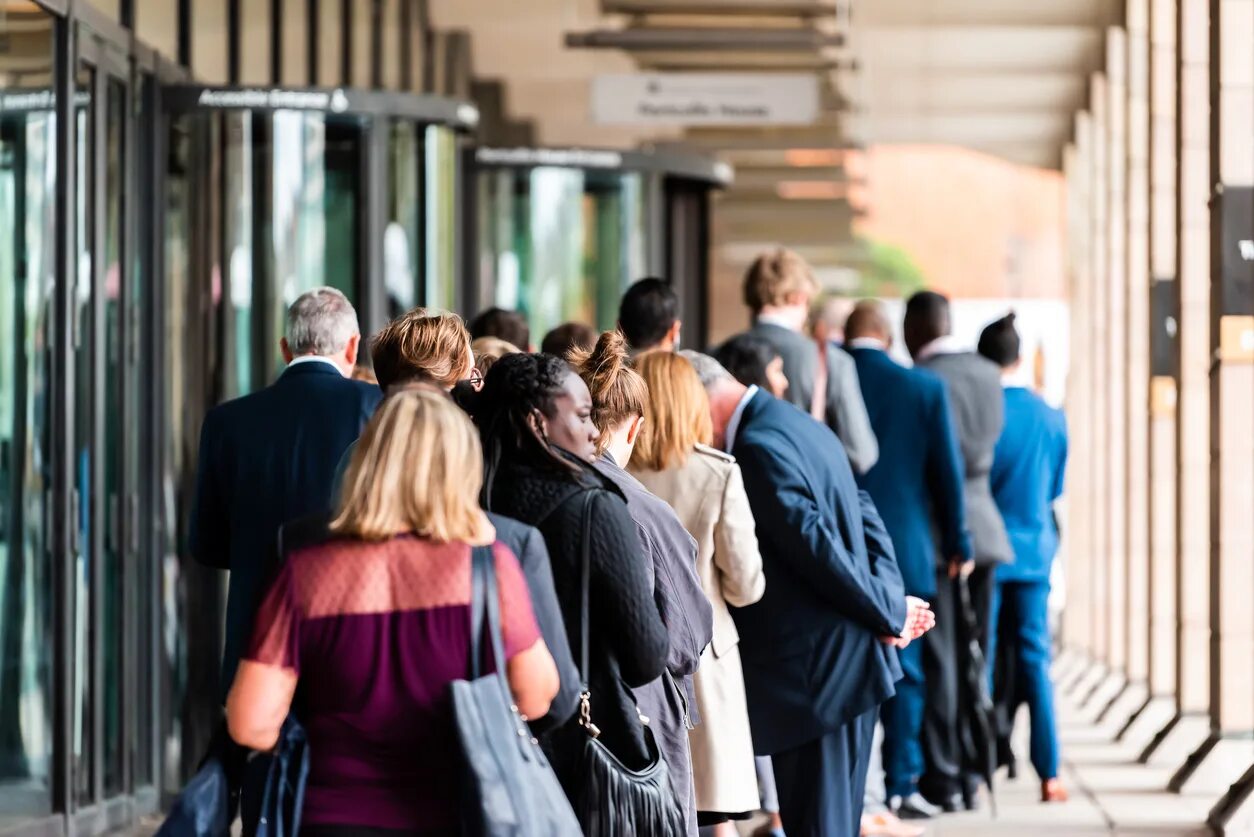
(919, 620)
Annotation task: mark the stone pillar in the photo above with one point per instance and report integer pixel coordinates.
(1077, 548)
(1097, 557)
(1193, 413)
(1114, 395)
(1164, 353)
(1136, 483)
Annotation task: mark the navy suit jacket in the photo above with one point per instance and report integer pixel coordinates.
(811, 652)
(267, 458)
(918, 482)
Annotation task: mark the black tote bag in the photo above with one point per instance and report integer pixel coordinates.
(509, 788)
(611, 799)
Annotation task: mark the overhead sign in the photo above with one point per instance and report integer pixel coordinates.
(276, 98)
(705, 99)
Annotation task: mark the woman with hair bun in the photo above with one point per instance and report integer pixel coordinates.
(619, 398)
(535, 422)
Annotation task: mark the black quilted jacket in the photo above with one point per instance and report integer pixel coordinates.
(627, 643)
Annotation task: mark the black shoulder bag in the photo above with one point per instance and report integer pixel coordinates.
(508, 786)
(611, 799)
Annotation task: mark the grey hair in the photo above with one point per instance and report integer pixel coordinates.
(320, 322)
(709, 370)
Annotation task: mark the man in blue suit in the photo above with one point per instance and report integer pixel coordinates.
(817, 650)
(269, 457)
(917, 485)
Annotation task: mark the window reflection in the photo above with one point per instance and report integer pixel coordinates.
(402, 241)
(441, 218)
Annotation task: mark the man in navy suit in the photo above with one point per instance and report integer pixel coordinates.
(817, 650)
(917, 484)
(269, 457)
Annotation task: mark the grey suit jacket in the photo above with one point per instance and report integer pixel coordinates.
(978, 406)
(846, 411)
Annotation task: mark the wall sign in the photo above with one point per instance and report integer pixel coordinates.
(705, 99)
(1236, 211)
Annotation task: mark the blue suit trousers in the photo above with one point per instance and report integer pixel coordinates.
(822, 782)
(1026, 606)
(903, 721)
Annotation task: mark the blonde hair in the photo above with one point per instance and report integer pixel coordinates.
(488, 350)
(417, 468)
(618, 393)
(422, 343)
(775, 277)
(677, 416)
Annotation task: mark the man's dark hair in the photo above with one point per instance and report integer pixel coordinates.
(999, 341)
(927, 318)
(561, 340)
(648, 311)
(509, 326)
(746, 358)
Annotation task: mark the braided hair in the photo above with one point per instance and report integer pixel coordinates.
(514, 389)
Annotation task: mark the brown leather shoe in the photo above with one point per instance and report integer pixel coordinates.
(1052, 790)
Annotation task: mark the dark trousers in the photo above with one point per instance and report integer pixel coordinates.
(822, 782)
(943, 658)
(1027, 614)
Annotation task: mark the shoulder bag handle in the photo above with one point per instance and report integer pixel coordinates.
(485, 605)
(585, 559)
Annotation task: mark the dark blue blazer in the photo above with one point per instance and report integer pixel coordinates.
(267, 458)
(918, 482)
(811, 648)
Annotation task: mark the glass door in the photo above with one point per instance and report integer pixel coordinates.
(108, 291)
(28, 174)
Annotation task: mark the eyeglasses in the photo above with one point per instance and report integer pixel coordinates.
(475, 379)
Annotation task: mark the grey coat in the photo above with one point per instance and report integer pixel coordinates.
(845, 411)
(975, 397)
(669, 702)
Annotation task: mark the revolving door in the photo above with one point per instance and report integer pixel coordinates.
(287, 190)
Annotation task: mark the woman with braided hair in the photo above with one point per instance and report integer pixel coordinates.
(534, 419)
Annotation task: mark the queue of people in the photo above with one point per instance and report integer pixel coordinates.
(724, 570)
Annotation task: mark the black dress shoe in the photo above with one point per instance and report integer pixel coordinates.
(953, 803)
(912, 807)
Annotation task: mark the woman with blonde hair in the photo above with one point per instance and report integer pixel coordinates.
(672, 458)
(374, 624)
(488, 350)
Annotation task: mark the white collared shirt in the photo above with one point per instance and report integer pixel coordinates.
(733, 424)
(867, 343)
(318, 359)
(781, 320)
(946, 344)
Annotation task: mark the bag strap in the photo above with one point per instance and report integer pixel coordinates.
(484, 605)
(585, 562)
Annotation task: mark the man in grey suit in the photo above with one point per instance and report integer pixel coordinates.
(779, 288)
(977, 408)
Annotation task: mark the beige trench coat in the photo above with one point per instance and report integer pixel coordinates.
(708, 495)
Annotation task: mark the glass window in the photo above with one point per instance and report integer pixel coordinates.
(83, 454)
(119, 437)
(441, 218)
(27, 255)
(402, 237)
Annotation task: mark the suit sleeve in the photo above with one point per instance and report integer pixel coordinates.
(847, 412)
(736, 552)
(208, 529)
(946, 484)
(807, 543)
(534, 559)
(883, 561)
(621, 604)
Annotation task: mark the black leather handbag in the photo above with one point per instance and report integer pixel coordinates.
(611, 799)
(509, 787)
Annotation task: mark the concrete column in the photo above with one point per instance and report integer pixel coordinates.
(1232, 383)
(1163, 388)
(1097, 558)
(1193, 413)
(1232, 392)
(1077, 549)
(1115, 284)
(1137, 351)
